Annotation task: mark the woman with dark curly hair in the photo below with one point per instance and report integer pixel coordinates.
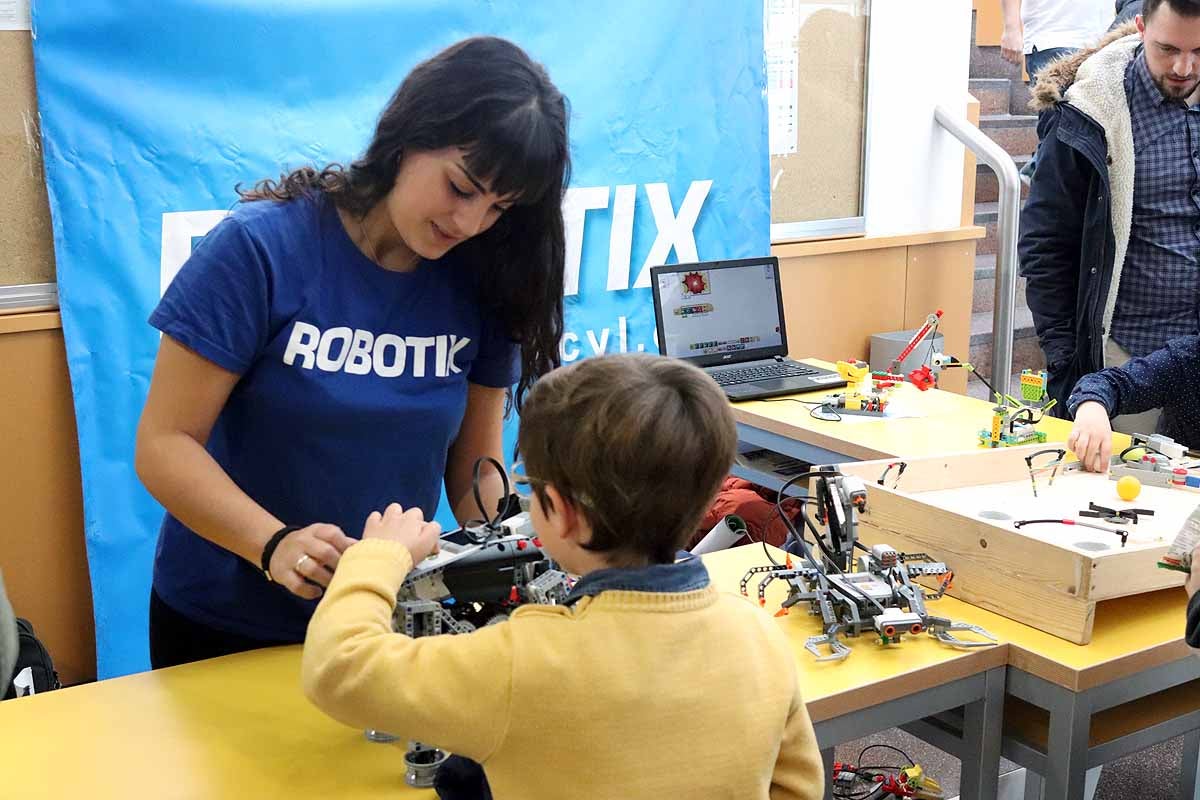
(348, 337)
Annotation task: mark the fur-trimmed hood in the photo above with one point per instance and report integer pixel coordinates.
(1057, 77)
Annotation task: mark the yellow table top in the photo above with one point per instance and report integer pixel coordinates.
(951, 424)
(873, 673)
(1131, 634)
(230, 727)
(240, 727)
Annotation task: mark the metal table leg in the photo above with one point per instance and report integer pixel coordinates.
(1187, 770)
(1033, 785)
(983, 722)
(1070, 721)
(827, 766)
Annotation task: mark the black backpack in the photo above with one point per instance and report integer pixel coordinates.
(32, 656)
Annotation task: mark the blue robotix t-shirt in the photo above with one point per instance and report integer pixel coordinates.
(353, 386)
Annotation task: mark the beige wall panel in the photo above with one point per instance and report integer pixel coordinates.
(942, 276)
(42, 551)
(834, 302)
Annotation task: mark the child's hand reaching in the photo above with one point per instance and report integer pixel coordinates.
(409, 528)
(1193, 580)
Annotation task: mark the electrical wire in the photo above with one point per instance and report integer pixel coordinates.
(791, 528)
(490, 523)
(812, 412)
(984, 381)
(792, 532)
(908, 761)
(932, 340)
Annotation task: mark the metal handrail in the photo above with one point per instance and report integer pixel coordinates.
(1007, 176)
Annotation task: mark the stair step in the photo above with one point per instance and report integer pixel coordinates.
(985, 266)
(983, 291)
(977, 389)
(1021, 159)
(994, 95)
(1020, 97)
(987, 216)
(1016, 133)
(987, 186)
(987, 212)
(986, 62)
(981, 326)
(1027, 354)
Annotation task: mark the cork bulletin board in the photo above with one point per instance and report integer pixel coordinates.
(26, 245)
(816, 55)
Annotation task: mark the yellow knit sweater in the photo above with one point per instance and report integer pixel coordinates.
(623, 695)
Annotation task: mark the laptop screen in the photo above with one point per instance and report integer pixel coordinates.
(719, 312)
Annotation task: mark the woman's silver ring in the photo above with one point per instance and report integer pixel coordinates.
(300, 562)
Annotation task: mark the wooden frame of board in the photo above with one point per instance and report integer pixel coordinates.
(1041, 580)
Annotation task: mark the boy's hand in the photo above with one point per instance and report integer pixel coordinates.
(409, 528)
(1193, 581)
(1091, 438)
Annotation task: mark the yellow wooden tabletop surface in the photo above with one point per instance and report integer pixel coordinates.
(1131, 634)
(227, 728)
(950, 423)
(873, 673)
(240, 727)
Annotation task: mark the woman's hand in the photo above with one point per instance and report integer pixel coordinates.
(1091, 438)
(409, 528)
(309, 554)
(1012, 45)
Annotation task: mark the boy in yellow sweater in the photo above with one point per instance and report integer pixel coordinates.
(648, 683)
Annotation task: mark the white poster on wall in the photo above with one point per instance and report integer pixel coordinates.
(783, 65)
(14, 15)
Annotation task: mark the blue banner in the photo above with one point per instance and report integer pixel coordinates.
(153, 111)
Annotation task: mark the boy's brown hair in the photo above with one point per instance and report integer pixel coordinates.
(638, 443)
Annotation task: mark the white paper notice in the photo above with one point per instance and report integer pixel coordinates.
(14, 15)
(781, 21)
(783, 66)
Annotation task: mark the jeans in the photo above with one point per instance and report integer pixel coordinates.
(1036, 61)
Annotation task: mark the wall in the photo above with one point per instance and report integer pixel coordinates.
(919, 58)
(837, 293)
(42, 552)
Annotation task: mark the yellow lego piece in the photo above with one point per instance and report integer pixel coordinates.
(924, 787)
(853, 371)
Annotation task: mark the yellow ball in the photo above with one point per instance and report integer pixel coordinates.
(1128, 488)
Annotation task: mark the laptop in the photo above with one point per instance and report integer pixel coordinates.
(726, 317)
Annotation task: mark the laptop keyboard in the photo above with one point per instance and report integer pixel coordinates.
(728, 377)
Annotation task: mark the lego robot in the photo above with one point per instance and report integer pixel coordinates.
(479, 576)
(880, 596)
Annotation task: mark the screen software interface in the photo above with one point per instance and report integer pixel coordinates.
(706, 312)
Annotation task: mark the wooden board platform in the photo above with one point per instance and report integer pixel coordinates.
(1046, 576)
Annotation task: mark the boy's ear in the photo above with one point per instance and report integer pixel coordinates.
(562, 515)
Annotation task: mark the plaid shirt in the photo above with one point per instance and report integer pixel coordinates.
(1159, 295)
